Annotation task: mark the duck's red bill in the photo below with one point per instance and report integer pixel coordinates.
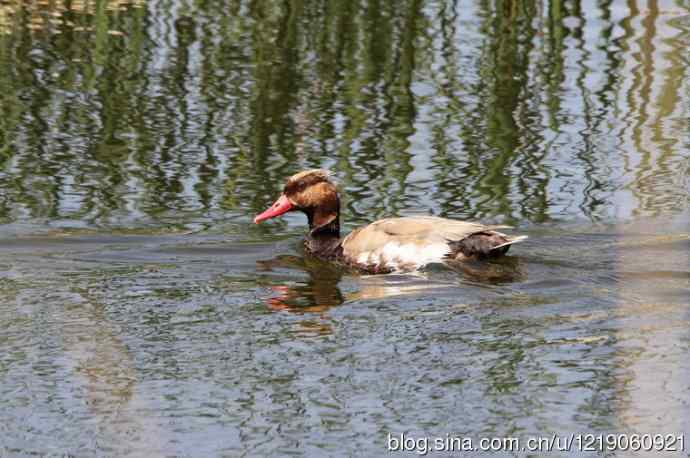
(280, 206)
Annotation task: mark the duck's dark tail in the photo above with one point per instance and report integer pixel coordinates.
(510, 241)
(483, 244)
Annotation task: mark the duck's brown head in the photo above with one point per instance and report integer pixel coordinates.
(312, 193)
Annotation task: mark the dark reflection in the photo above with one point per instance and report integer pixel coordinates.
(505, 270)
(319, 293)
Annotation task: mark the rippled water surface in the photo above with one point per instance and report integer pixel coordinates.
(143, 314)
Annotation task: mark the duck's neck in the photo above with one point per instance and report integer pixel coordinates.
(324, 232)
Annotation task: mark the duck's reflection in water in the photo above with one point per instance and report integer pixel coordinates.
(506, 269)
(317, 294)
(320, 291)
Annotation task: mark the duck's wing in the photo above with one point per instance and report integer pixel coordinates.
(415, 229)
(431, 226)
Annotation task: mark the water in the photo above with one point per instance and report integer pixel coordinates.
(143, 314)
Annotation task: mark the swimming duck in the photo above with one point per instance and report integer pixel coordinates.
(387, 245)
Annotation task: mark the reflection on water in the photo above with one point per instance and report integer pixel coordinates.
(118, 113)
(319, 293)
(164, 344)
(143, 314)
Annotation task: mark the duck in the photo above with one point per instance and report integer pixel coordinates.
(396, 244)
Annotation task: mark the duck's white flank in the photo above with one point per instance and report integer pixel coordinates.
(405, 256)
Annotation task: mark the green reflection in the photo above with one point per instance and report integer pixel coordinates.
(131, 113)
